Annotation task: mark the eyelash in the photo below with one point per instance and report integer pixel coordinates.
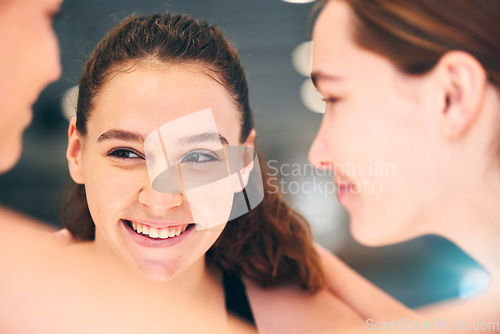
(119, 152)
(210, 157)
(330, 100)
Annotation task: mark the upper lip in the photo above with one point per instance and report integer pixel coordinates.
(339, 181)
(157, 224)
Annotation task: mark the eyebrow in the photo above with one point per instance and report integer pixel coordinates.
(203, 137)
(317, 76)
(121, 135)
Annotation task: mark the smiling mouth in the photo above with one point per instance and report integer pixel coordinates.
(158, 233)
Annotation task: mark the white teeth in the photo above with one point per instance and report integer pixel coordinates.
(153, 232)
(159, 233)
(163, 233)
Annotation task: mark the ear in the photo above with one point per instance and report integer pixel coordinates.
(249, 145)
(464, 81)
(74, 153)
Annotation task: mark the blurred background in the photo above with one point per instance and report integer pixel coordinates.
(272, 38)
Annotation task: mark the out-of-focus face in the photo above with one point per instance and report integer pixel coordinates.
(30, 60)
(378, 134)
(153, 231)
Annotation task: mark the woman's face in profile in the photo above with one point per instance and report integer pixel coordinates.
(30, 61)
(153, 231)
(378, 134)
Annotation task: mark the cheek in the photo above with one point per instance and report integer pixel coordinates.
(110, 191)
(206, 239)
(211, 204)
(372, 150)
(378, 127)
(352, 134)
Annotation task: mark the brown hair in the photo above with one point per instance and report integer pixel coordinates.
(415, 34)
(272, 244)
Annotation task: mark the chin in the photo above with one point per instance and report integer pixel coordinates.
(158, 276)
(10, 156)
(157, 272)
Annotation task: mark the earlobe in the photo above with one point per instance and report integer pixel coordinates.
(74, 153)
(464, 82)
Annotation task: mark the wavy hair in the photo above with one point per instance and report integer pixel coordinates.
(272, 244)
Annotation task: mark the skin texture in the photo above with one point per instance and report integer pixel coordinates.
(76, 287)
(440, 132)
(69, 289)
(375, 114)
(141, 101)
(366, 133)
(31, 61)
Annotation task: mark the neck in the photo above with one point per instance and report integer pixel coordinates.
(200, 281)
(474, 224)
(106, 281)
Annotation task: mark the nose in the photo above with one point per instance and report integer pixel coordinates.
(319, 151)
(54, 54)
(56, 71)
(56, 68)
(159, 203)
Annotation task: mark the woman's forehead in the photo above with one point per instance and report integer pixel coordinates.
(146, 99)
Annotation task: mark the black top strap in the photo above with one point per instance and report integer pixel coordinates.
(236, 298)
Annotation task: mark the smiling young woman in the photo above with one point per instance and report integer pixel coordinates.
(415, 84)
(42, 292)
(48, 288)
(161, 74)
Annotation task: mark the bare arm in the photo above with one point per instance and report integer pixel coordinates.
(356, 291)
(373, 303)
(15, 220)
(291, 310)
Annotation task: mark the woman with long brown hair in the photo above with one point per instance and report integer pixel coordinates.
(414, 84)
(148, 73)
(47, 288)
(41, 291)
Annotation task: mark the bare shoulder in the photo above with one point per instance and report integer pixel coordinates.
(16, 221)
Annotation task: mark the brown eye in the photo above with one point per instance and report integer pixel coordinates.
(122, 153)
